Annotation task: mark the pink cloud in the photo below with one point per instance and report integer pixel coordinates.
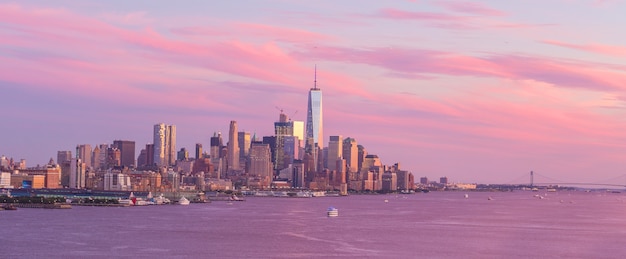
(562, 73)
(593, 48)
(391, 13)
(471, 8)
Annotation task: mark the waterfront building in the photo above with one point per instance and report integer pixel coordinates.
(127, 152)
(233, 147)
(25, 181)
(314, 124)
(390, 181)
(164, 145)
(405, 180)
(335, 150)
(443, 180)
(424, 180)
(259, 162)
(50, 172)
(117, 181)
(372, 164)
(77, 174)
(5, 180)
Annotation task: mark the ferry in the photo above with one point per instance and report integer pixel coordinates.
(332, 212)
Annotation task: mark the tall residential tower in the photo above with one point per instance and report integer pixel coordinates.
(233, 147)
(164, 144)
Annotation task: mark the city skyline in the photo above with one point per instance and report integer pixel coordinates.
(477, 91)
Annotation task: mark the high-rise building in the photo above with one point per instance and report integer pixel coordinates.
(216, 148)
(259, 162)
(361, 153)
(291, 149)
(85, 153)
(77, 174)
(314, 129)
(351, 154)
(282, 128)
(244, 141)
(149, 154)
(182, 155)
(199, 154)
(164, 144)
(100, 157)
(95, 158)
(127, 152)
(298, 131)
(114, 157)
(233, 147)
(64, 156)
(335, 149)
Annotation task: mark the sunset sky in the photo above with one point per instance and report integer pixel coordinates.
(479, 91)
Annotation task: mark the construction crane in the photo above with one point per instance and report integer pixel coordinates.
(282, 112)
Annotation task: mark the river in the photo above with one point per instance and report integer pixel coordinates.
(565, 224)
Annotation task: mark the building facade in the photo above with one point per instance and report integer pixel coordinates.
(164, 144)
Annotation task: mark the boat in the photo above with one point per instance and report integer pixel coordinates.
(466, 196)
(9, 207)
(235, 198)
(183, 201)
(332, 212)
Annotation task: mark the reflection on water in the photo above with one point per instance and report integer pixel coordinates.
(437, 224)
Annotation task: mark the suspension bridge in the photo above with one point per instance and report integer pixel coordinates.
(534, 180)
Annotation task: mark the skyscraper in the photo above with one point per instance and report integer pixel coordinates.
(244, 141)
(164, 144)
(216, 147)
(85, 153)
(314, 133)
(282, 129)
(233, 147)
(63, 156)
(335, 149)
(199, 151)
(351, 153)
(259, 163)
(127, 152)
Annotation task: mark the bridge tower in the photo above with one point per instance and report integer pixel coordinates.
(532, 174)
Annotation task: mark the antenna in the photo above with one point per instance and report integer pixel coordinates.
(315, 78)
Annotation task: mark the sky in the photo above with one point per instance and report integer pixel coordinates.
(478, 91)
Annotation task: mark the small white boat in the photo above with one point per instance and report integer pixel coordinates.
(332, 212)
(183, 201)
(466, 196)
